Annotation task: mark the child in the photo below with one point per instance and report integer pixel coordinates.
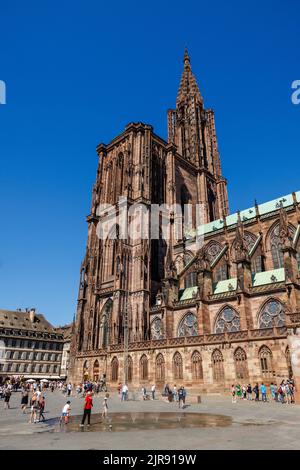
(65, 415)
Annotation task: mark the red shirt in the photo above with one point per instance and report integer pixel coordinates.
(88, 402)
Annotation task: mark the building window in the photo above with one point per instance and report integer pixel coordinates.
(272, 314)
(227, 320)
(197, 370)
(160, 368)
(266, 362)
(156, 329)
(276, 246)
(188, 326)
(218, 366)
(177, 366)
(114, 369)
(130, 368)
(241, 366)
(144, 367)
(96, 371)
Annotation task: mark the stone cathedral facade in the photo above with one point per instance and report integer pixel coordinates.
(204, 317)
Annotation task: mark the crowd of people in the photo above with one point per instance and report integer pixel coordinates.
(33, 395)
(284, 393)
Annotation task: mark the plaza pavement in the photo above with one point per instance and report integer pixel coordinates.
(254, 426)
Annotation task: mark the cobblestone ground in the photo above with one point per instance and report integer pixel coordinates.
(254, 426)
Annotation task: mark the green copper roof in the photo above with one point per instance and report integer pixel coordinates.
(188, 293)
(225, 286)
(268, 277)
(249, 214)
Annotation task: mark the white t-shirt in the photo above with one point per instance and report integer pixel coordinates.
(66, 408)
(153, 388)
(124, 389)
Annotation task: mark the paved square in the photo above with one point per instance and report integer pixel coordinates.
(253, 426)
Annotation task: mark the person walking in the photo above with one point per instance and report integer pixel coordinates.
(263, 391)
(174, 393)
(153, 391)
(144, 392)
(249, 392)
(65, 414)
(124, 393)
(7, 395)
(233, 394)
(180, 397)
(34, 406)
(88, 404)
(184, 393)
(24, 400)
(256, 392)
(105, 406)
(42, 408)
(69, 389)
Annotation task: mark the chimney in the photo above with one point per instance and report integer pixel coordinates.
(32, 314)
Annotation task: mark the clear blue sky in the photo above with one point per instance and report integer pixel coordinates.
(78, 71)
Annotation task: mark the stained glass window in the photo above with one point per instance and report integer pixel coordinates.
(271, 315)
(228, 320)
(156, 329)
(188, 326)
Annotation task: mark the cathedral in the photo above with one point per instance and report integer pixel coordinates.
(168, 309)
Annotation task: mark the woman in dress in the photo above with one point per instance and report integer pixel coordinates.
(24, 400)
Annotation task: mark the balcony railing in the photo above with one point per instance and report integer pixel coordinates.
(220, 338)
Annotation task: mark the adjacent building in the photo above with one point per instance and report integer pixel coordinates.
(205, 317)
(30, 346)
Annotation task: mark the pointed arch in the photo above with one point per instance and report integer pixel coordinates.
(227, 320)
(160, 368)
(156, 328)
(114, 369)
(144, 367)
(271, 314)
(85, 371)
(190, 280)
(177, 366)
(266, 362)
(197, 367)
(96, 371)
(288, 362)
(241, 365)
(130, 369)
(275, 245)
(188, 325)
(218, 366)
(105, 320)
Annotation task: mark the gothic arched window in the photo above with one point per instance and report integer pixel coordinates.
(227, 320)
(156, 329)
(197, 369)
(96, 371)
(272, 314)
(266, 362)
(241, 366)
(114, 369)
(190, 279)
(218, 365)
(104, 324)
(130, 368)
(144, 367)
(276, 246)
(177, 366)
(160, 368)
(188, 326)
(85, 370)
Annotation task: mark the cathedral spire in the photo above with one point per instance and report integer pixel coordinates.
(188, 87)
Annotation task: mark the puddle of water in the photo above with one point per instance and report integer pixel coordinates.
(137, 421)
